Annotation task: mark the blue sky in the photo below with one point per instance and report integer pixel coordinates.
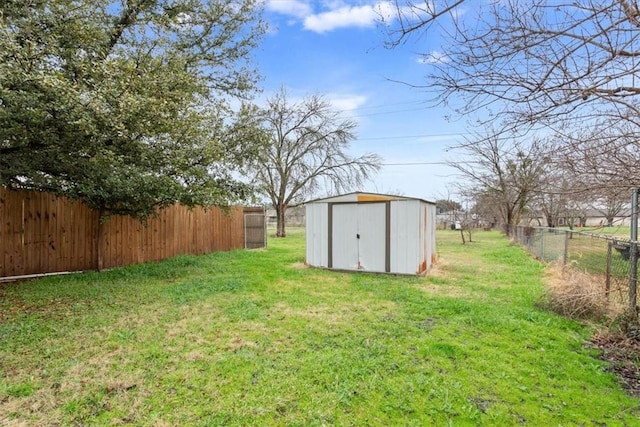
(336, 49)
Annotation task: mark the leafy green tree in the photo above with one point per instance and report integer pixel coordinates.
(123, 103)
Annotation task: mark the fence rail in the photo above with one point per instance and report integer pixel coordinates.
(42, 233)
(605, 259)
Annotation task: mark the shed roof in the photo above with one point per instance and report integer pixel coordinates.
(358, 196)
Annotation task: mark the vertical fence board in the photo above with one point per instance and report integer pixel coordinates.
(30, 248)
(166, 253)
(180, 227)
(43, 238)
(3, 234)
(13, 215)
(53, 257)
(127, 244)
(75, 227)
(171, 236)
(118, 249)
(39, 236)
(26, 247)
(211, 226)
(104, 244)
(6, 233)
(17, 227)
(6, 236)
(157, 244)
(217, 222)
(60, 234)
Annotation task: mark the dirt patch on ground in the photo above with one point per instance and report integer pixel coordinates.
(299, 265)
(446, 290)
(623, 355)
(439, 268)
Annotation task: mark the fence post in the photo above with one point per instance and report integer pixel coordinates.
(541, 256)
(566, 248)
(607, 282)
(633, 258)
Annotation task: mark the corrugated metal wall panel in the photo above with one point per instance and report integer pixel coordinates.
(431, 233)
(371, 244)
(317, 227)
(423, 247)
(405, 238)
(343, 236)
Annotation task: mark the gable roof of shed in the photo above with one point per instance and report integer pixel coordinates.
(359, 196)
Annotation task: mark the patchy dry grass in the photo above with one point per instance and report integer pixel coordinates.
(254, 338)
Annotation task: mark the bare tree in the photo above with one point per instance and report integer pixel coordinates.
(304, 146)
(486, 206)
(539, 64)
(539, 60)
(506, 171)
(611, 204)
(603, 158)
(557, 187)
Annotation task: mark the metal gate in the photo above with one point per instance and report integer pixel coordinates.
(255, 228)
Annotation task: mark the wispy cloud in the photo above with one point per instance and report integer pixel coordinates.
(346, 102)
(295, 8)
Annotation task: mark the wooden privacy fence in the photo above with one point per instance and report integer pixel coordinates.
(43, 233)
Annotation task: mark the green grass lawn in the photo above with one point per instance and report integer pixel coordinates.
(255, 338)
(620, 231)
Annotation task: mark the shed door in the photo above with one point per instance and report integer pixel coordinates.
(359, 236)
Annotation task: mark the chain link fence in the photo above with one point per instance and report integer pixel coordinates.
(600, 263)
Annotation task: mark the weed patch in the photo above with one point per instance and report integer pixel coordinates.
(576, 295)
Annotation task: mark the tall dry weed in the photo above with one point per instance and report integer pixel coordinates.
(579, 295)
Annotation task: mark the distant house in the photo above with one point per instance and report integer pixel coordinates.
(587, 218)
(595, 218)
(445, 220)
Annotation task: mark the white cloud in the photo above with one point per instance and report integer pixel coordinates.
(337, 14)
(346, 102)
(434, 57)
(341, 17)
(295, 8)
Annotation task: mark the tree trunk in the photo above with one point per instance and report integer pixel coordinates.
(549, 221)
(280, 210)
(509, 224)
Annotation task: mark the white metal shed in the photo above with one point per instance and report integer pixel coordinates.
(371, 232)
